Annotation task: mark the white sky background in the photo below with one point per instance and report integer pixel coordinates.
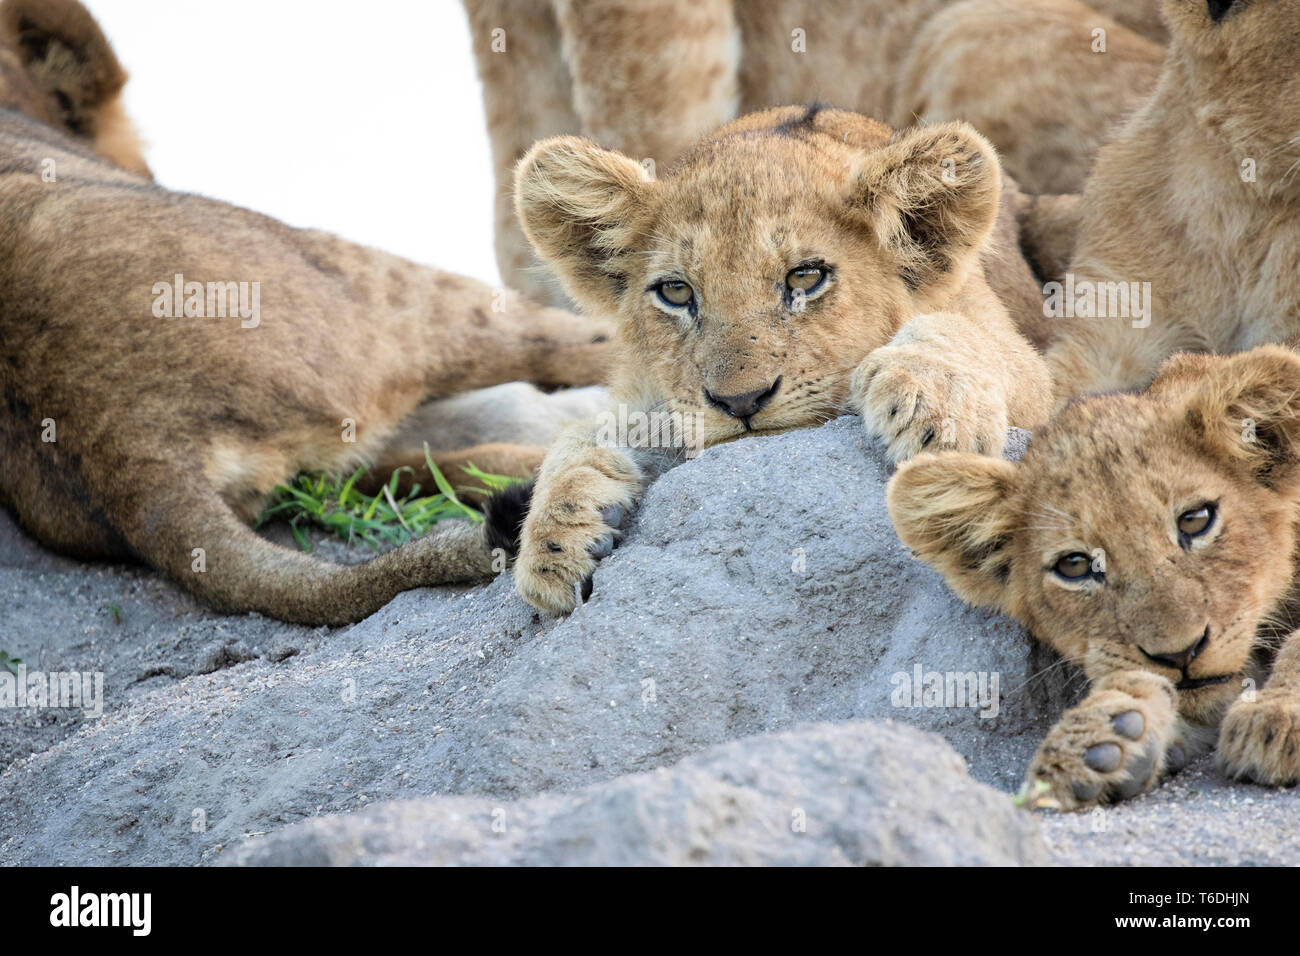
(362, 118)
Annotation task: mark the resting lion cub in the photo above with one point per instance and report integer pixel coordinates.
(797, 264)
(143, 417)
(1150, 539)
(1044, 80)
(1196, 201)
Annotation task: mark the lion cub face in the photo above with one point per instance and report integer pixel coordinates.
(754, 275)
(1138, 532)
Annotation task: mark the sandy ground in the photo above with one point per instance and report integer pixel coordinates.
(468, 691)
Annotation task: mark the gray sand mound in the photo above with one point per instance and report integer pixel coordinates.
(744, 656)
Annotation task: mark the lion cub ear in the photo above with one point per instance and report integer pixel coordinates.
(580, 206)
(951, 510)
(931, 198)
(1245, 409)
(73, 68)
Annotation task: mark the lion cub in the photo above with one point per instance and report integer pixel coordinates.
(1044, 80)
(1194, 204)
(798, 264)
(138, 424)
(1151, 540)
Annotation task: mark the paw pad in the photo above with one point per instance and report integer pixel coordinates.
(1103, 758)
(1129, 724)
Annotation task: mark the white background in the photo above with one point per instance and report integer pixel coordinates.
(363, 117)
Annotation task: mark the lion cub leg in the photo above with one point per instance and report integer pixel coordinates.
(556, 348)
(1259, 739)
(1112, 746)
(945, 382)
(487, 337)
(1105, 355)
(582, 494)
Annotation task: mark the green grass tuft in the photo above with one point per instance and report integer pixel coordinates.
(9, 663)
(333, 503)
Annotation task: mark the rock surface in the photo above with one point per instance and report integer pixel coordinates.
(760, 588)
(857, 793)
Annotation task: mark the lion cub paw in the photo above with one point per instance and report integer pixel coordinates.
(918, 401)
(1111, 747)
(574, 521)
(1259, 740)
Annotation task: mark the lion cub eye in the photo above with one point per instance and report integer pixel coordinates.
(1194, 523)
(806, 278)
(1074, 567)
(675, 293)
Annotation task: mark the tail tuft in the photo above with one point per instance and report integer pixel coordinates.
(504, 514)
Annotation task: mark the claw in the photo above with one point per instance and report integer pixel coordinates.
(1175, 759)
(602, 547)
(1035, 795)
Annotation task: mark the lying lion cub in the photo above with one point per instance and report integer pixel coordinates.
(1151, 540)
(797, 264)
(166, 360)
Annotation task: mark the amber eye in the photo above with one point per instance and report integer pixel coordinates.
(1074, 566)
(675, 293)
(1192, 524)
(806, 278)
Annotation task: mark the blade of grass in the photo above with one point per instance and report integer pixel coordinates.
(334, 504)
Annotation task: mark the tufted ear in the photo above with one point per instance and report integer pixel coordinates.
(931, 197)
(70, 63)
(951, 510)
(581, 207)
(1243, 408)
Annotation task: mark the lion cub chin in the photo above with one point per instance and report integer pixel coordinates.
(1145, 538)
(797, 264)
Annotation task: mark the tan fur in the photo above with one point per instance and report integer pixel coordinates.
(1108, 478)
(170, 433)
(1143, 18)
(1033, 77)
(67, 76)
(1047, 228)
(907, 330)
(1167, 203)
(650, 77)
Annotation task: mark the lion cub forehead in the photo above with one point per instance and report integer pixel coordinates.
(1109, 449)
(808, 123)
(1114, 464)
(746, 210)
(793, 141)
(693, 240)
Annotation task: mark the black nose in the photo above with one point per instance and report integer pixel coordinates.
(742, 406)
(1183, 658)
